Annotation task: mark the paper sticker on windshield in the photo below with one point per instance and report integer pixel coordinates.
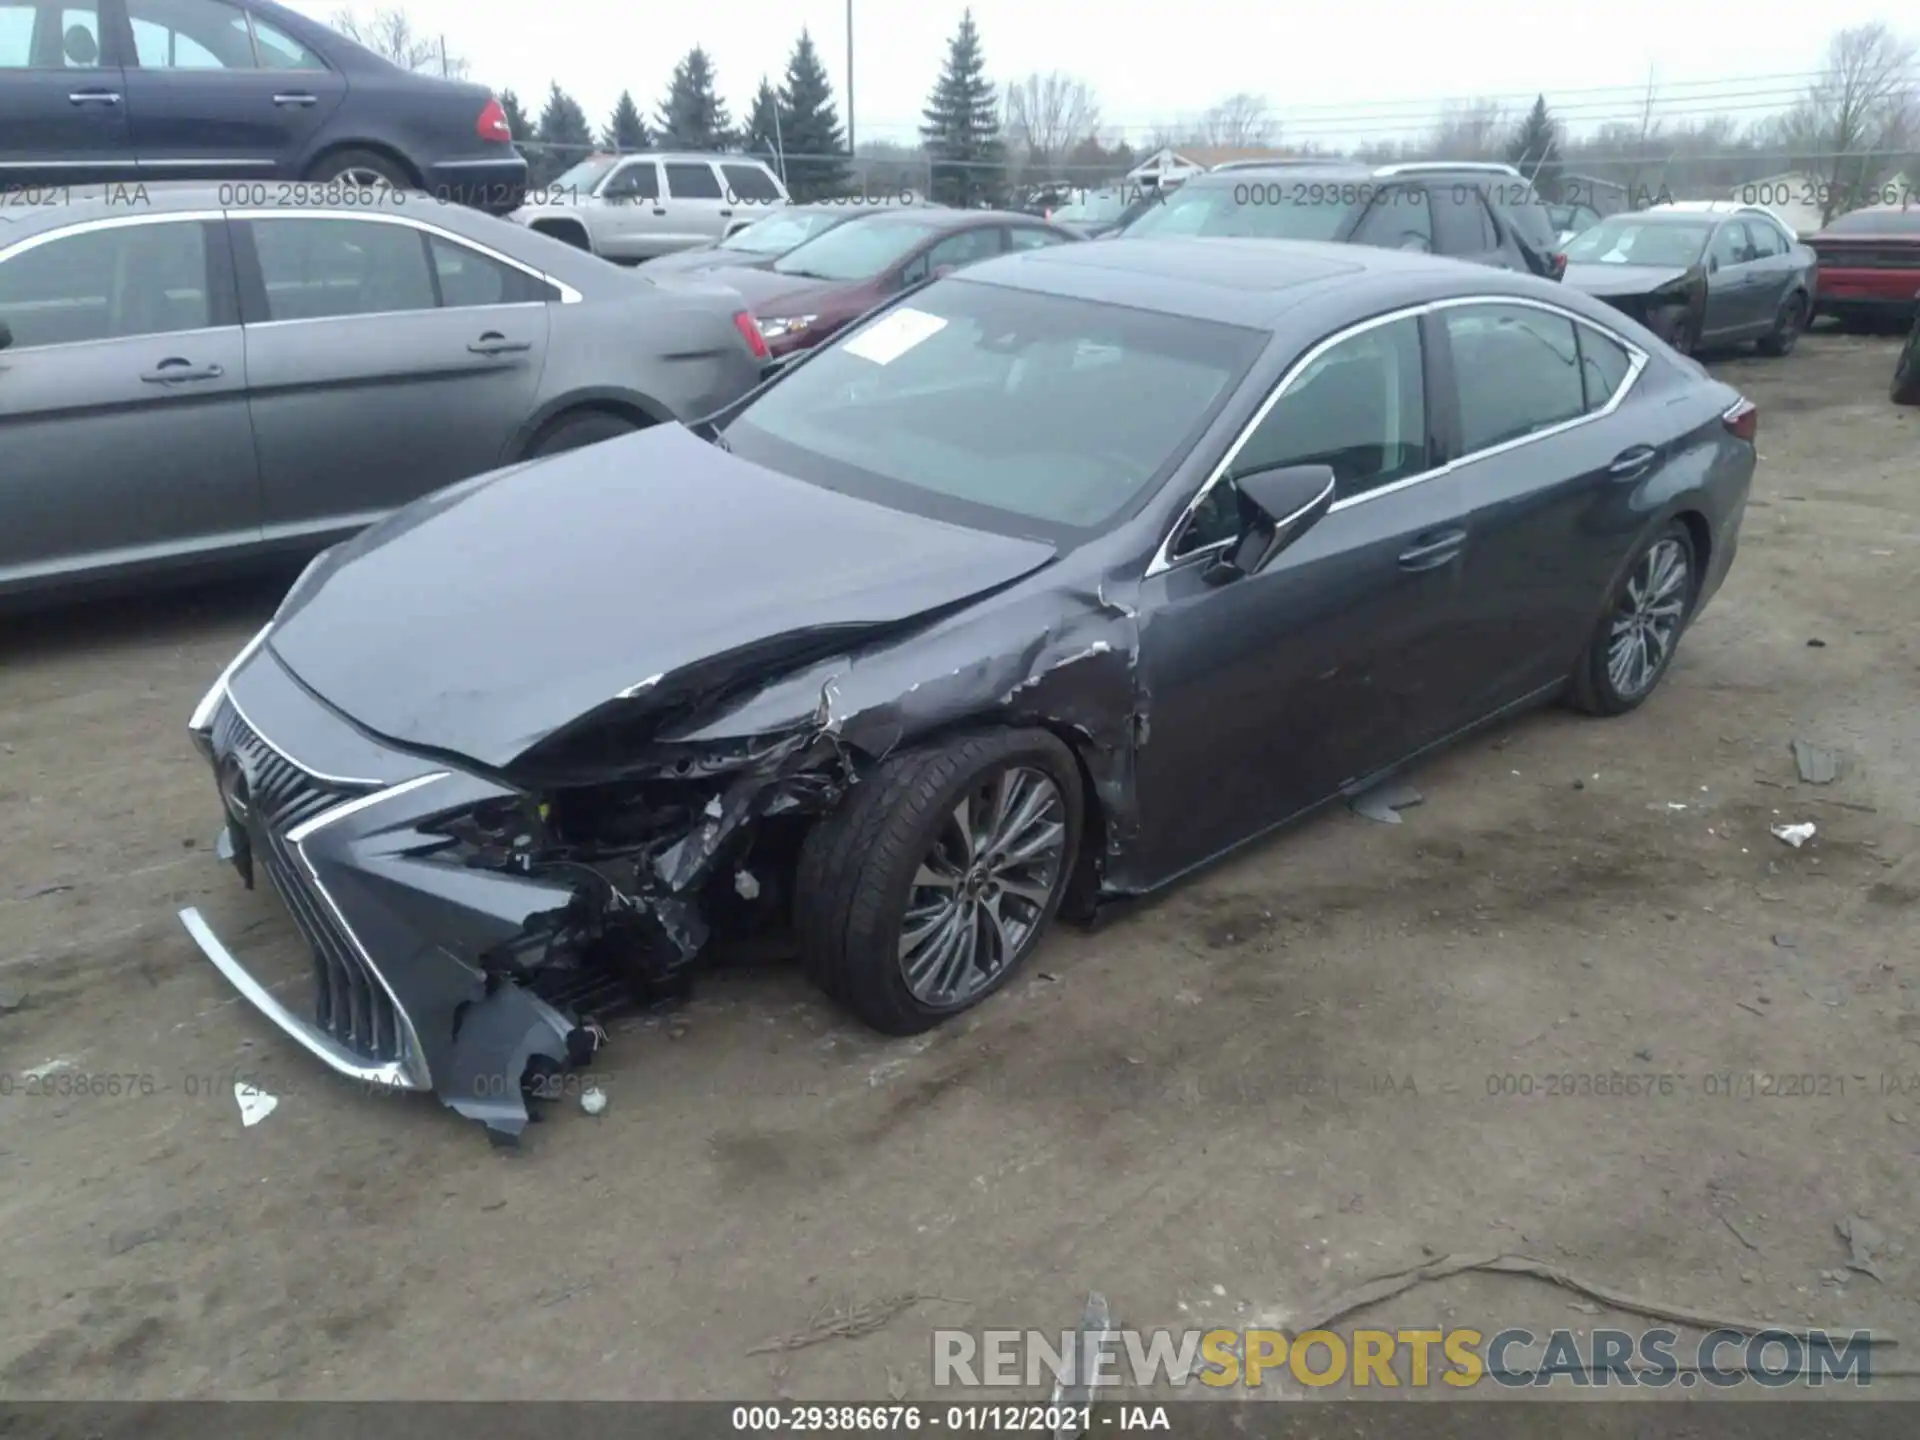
(892, 335)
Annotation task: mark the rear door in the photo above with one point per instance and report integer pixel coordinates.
(63, 112)
(696, 205)
(386, 359)
(213, 94)
(124, 435)
(1772, 262)
(1549, 455)
(752, 192)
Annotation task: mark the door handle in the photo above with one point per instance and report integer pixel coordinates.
(296, 99)
(728, 214)
(659, 209)
(175, 371)
(1433, 550)
(494, 343)
(1634, 461)
(95, 97)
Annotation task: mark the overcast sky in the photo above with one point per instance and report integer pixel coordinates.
(1338, 73)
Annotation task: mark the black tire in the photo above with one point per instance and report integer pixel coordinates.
(1594, 689)
(1906, 370)
(360, 167)
(1787, 326)
(571, 432)
(858, 867)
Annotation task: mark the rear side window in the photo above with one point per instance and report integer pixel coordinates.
(48, 36)
(1518, 372)
(1603, 366)
(1399, 219)
(692, 182)
(1461, 224)
(112, 284)
(190, 35)
(323, 269)
(468, 278)
(277, 50)
(748, 183)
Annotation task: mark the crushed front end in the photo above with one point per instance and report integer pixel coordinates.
(468, 932)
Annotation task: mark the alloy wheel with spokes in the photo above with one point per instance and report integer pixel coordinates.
(360, 178)
(984, 886)
(1646, 623)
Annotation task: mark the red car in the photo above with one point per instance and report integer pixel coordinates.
(823, 285)
(1869, 266)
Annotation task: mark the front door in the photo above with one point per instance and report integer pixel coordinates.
(124, 435)
(1736, 289)
(63, 112)
(1271, 693)
(386, 360)
(213, 94)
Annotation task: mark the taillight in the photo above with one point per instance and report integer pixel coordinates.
(1557, 265)
(492, 124)
(750, 332)
(1742, 419)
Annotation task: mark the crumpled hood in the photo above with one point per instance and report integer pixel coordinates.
(1604, 280)
(484, 618)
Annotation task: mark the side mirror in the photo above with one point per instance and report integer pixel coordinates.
(1277, 507)
(6, 335)
(1713, 264)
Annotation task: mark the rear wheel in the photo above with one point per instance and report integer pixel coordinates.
(1906, 370)
(362, 169)
(1787, 326)
(574, 431)
(926, 891)
(1633, 644)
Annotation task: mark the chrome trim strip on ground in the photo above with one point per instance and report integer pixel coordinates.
(413, 1060)
(316, 1041)
(1637, 360)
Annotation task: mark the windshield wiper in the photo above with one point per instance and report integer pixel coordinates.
(807, 274)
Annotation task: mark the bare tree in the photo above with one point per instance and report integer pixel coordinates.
(1475, 130)
(390, 35)
(1857, 118)
(1047, 115)
(1240, 122)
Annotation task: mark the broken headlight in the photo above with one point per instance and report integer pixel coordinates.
(505, 834)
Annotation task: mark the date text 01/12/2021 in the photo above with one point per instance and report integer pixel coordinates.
(1050, 1420)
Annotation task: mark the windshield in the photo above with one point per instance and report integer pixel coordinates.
(584, 176)
(1878, 222)
(1000, 408)
(857, 250)
(1252, 207)
(1623, 240)
(1093, 209)
(778, 234)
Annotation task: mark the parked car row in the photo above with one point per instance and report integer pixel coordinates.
(238, 91)
(871, 653)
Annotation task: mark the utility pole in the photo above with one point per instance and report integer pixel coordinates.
(849, 77)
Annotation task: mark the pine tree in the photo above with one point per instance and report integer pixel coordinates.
(961, 126)
(1535, 149)
(565, 138)
(517, 120)
(626, 131)
(765, 130)
(816, 146)
(693, 116)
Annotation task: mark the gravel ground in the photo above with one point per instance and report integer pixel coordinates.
(1277, 1080)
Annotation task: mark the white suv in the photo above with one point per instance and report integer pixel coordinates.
(635, 207)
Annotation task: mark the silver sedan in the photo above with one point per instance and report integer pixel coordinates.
(206, 376)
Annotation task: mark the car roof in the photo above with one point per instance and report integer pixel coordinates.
(1249, 283)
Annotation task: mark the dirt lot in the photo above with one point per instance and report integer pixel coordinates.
(1269, 1085)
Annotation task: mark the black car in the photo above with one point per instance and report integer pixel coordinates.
(241, 91)
(1047, 584)
(1485, 213)
(1906, 370)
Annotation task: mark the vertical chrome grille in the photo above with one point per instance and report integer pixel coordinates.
(349, 1002)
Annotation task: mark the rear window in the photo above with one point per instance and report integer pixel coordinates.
(1878, 222)
(1255, 207)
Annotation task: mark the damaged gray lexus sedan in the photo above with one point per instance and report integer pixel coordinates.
(1039, 588)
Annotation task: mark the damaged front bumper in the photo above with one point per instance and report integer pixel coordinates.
(411, 949)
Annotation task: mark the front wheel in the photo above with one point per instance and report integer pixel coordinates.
(362, 169)
(1906, 370)
(929, 888)
(1633, 644)
(1787, 326)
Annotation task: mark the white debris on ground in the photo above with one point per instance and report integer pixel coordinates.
(593, 1100)
(255, 1103)
(1795, 835)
